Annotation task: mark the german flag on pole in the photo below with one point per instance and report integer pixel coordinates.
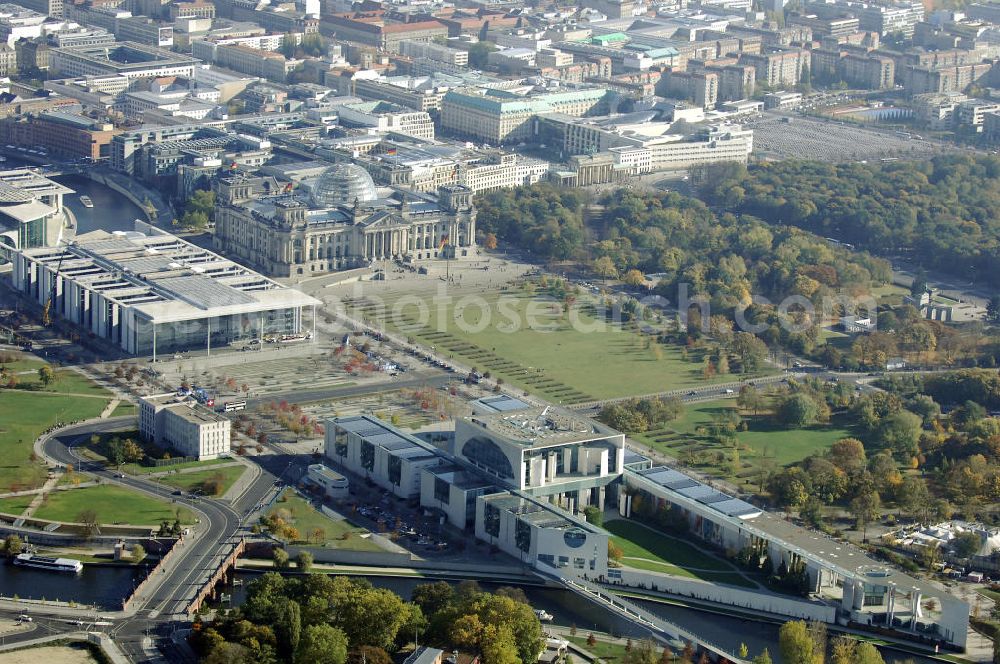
(232, 166)
(391, 151)
(444, 242)
(289, 187)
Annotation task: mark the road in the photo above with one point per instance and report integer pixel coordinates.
(152, 616)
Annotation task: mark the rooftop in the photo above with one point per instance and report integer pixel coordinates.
(162, 278)
(386, 436)
(541, 426)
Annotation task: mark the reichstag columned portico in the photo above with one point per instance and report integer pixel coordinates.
(339, 221)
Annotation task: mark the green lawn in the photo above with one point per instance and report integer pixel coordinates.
(113, 504)
(195, 481)
(306, 519)
(556, 355)
(24, 416)
(656, 552)
(605, 650)
(66, 380)
(124, 408)
(688, 437)
(15, 505)
(136, 469)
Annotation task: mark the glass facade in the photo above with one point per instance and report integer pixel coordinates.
(183, 335)
(487, 455)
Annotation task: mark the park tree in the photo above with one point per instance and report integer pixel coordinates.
(751, 351)
(369, 616)
(132, 452)
(763, 658)
(280, 558)
(900, 433)
(433, 597)
(634, 277)
(46, 375)
(643, 652)
(795, 643)
(966, 544)
(797, 411)
(605, 268)
(914, 498)
(304, 561)
(228, 653)
(13, 545)
(750, 398)
(497, 645)
(322, 644)
(791, 487)
(865, 509)
(88, 522)
(138, 554)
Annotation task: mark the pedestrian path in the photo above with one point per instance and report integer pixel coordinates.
(110, 408)
(39, 497)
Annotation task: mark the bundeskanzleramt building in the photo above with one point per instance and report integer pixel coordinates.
(157, 293)
(342, 224)
(545, 452)
(185, 426)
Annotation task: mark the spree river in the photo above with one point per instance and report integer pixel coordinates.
(111, 211)
(104, 586)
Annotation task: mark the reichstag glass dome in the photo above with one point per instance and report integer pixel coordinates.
(342, 184)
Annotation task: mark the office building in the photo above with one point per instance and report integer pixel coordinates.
(344, 222)
(700, 87)
(136, 62)
(333, 485)
(499, 117)
(972, 112)
(142, 30)
(68, 135)
(778, 69)
(183, 425)
(434, 52)
(373, 29)
(380, 452)
(31, 210)
(899, 18)
(153, 294)
(51, 8)
(386, 117)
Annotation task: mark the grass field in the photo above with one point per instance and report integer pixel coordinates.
(656, 552)
(195, 481)
(554, 356)
(136, 469)
(112, 504)
(23, 417)
(124, 408)
(65, 381)
(689, 437)
(605, 650)
(15, 505)
(306, 519)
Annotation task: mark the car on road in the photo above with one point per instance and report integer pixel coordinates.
(25, 618)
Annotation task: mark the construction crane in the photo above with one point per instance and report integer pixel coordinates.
(47, 309)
